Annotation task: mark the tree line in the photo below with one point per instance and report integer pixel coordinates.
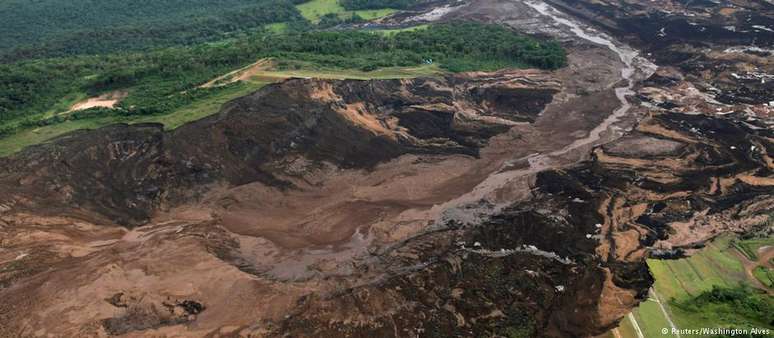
(46, 28)
(163, 80)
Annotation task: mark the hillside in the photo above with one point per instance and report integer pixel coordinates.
(41, 93)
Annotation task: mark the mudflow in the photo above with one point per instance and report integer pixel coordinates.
(463, 205)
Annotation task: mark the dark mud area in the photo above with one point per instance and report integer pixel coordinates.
(656, 28)
(140, 316)
(123, 173)
(311, 207)
(696, 38)
(548, 266)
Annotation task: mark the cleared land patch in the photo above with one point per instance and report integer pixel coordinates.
(107, 100)
(241, 74)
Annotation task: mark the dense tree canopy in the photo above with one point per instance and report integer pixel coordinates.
(460, 46)
(44, 28)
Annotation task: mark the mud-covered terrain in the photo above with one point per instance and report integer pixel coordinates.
(724, 49)
(514, 203)
(715, 65)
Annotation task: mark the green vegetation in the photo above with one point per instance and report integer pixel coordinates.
(370, 14)
(277, 28)
(749, 247)
(201, 108)
(157, 83)
(717, 264)
(45, 28)
(316, 10)
(396, 31)
(764, 275)
(331, 20)
(626, 329)
(518, 332)
(165, 85)
(455, 47)
(162, 81)
(95, 118)
(709, 289)
(375, 4)
(651, 319)
(739, 306)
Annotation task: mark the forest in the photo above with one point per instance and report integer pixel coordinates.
(456, 47)
(46, 28)
(167, 78)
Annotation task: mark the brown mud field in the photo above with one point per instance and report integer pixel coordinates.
(477, 204)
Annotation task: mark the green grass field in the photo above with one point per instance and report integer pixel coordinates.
(315, 9)
(764, 275)
(200, 109)
(389, 32)
(651, 319)
(279, 27)
(726, 314)
(679, 281)
(22, 139)
(625, 329)
(750, 247)
(716, 264)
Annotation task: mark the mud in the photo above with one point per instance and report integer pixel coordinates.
(481, 204)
